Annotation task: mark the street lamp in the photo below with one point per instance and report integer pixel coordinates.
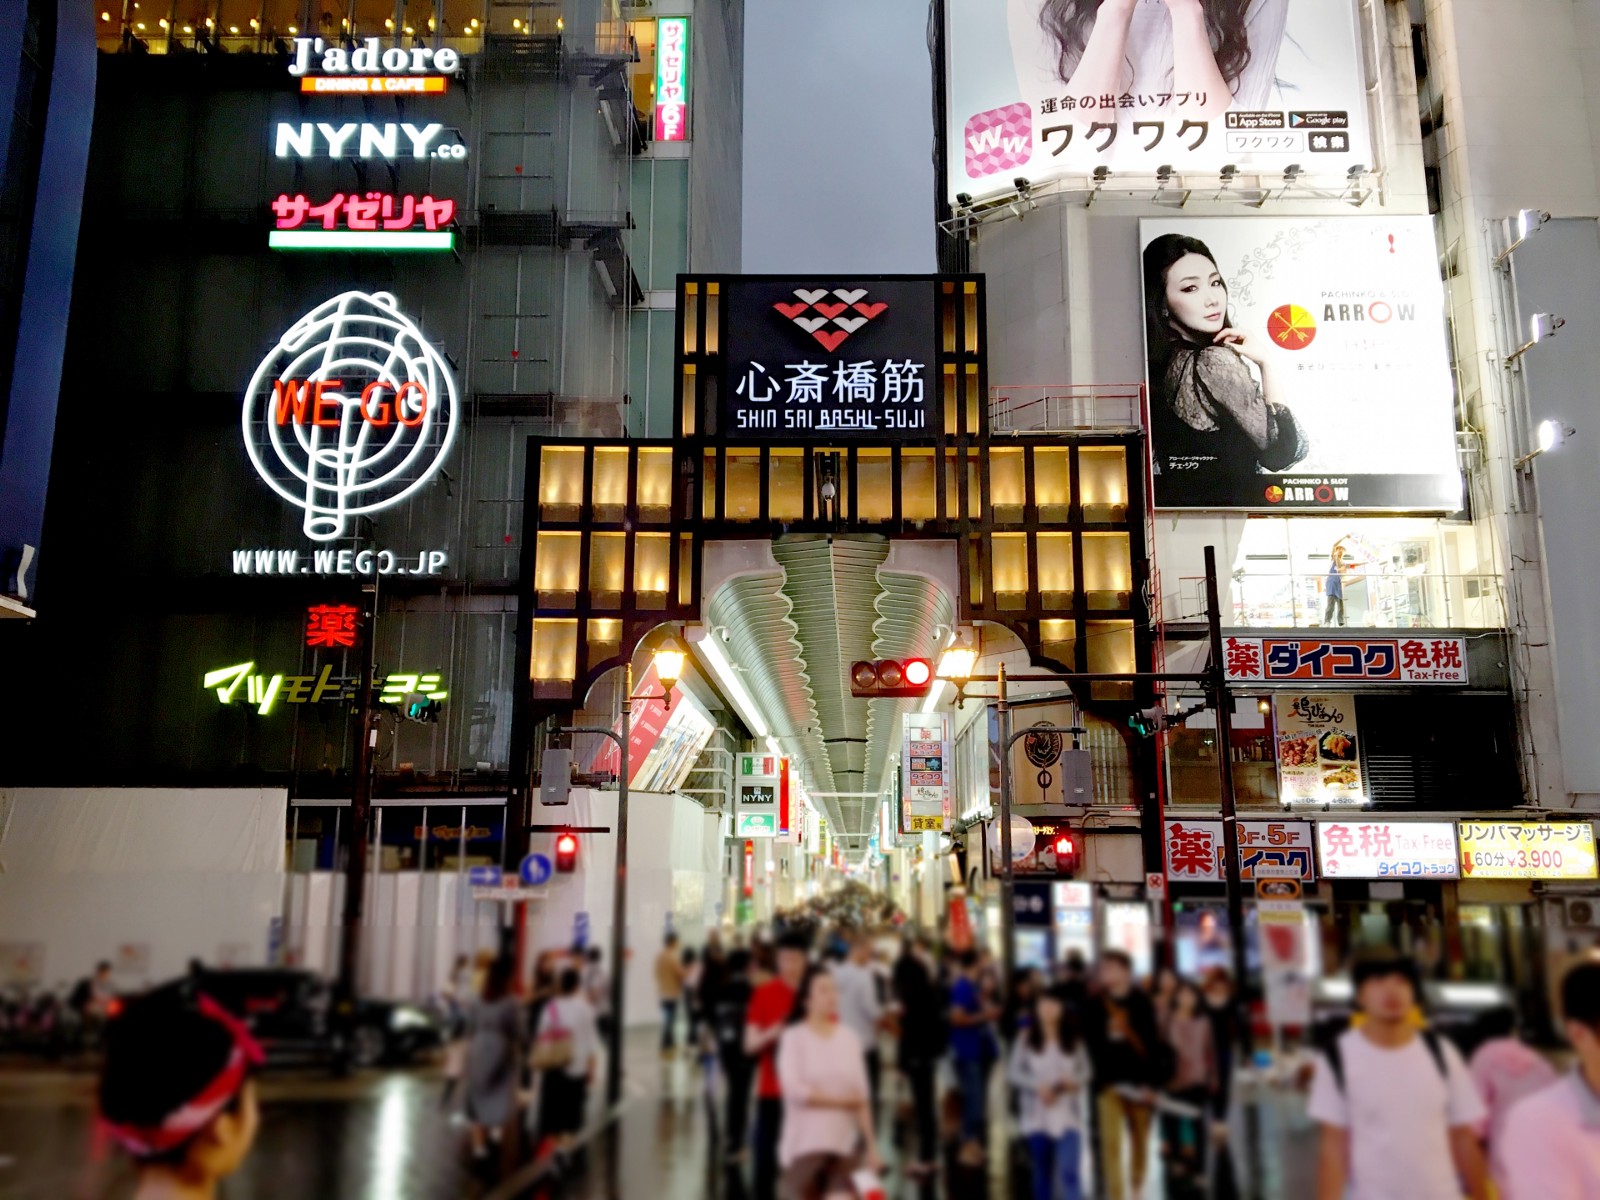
(956, 663)
(668, 658)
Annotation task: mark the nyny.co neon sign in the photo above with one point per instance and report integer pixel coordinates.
(364, 139)
(351, 412)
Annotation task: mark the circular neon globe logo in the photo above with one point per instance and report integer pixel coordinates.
(352, 411)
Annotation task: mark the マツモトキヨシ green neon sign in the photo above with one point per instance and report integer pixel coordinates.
(242, 682)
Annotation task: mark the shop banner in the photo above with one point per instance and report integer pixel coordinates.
(1527, 849)
(1298, 364)
(1387, 849)
(1346, 660)
(1194, 849)
(926, 768)
(1319, 752)
(1285, 961)
(1276, 844)
(1023, 100)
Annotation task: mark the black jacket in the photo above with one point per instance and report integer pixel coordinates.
(1129, 1050)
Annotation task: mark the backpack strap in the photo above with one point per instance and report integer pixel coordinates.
(1430, 1038)
(1335, 1054)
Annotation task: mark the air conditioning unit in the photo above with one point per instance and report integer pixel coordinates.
(1581, 913)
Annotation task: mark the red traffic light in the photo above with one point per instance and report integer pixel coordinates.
(567, 853)
(1064, 846)
(891, 677)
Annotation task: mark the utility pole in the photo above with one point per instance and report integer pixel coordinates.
(1222, 705)
(355, 862)
(619, 892)
(619, 900)
(1008, 878)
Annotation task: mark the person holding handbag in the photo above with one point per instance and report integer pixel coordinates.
(566, 1051)
(827, 1107)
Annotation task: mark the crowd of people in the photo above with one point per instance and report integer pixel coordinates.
(805, 1025)
(817, 1038)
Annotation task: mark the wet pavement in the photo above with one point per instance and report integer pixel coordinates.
(386, 1136)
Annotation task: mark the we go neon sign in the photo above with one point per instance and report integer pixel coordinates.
(350, 413)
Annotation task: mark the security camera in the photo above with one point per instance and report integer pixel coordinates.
(725, 635)
(829, 490)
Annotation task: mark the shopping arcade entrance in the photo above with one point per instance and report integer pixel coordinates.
(1048, 533)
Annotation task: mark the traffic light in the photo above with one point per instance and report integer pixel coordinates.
(422, 707)
(1066, 851)
(1148, 721)
(566, 853)
(891, 677)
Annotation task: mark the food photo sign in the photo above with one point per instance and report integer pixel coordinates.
(1318, 749)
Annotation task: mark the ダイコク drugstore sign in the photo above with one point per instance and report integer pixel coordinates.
(323, 68)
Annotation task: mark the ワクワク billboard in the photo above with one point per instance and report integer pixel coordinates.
(1050, 88)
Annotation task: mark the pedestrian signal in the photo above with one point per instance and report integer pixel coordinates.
(891, 677)
(1066, 852)
(566, 853)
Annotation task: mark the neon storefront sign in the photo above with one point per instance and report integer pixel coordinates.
(366, 139)
(672, 79)
(350, 413)
(370, 68)
(241, 683)
(362, 221)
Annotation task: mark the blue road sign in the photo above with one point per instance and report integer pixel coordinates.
(535, 870)
(483, 876)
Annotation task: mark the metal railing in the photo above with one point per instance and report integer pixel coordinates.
(1065, 408)
(1372, 600)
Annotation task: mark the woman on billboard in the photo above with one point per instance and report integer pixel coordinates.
(1225, 51)
(1216, 403)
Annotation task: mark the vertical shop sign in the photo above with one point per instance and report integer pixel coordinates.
(1281, 925)
(925, 772)
(672, 79)
(1319, 753)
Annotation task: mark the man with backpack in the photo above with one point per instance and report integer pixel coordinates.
(1395, 1101)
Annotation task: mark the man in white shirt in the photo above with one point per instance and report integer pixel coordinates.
(1397, 1107)
(860, 1006)
(1552, 1138)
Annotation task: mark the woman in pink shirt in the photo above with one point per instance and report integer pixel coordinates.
(1505, 1071)
(827, 1116)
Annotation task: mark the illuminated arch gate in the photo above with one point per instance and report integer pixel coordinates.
(1051, 529)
